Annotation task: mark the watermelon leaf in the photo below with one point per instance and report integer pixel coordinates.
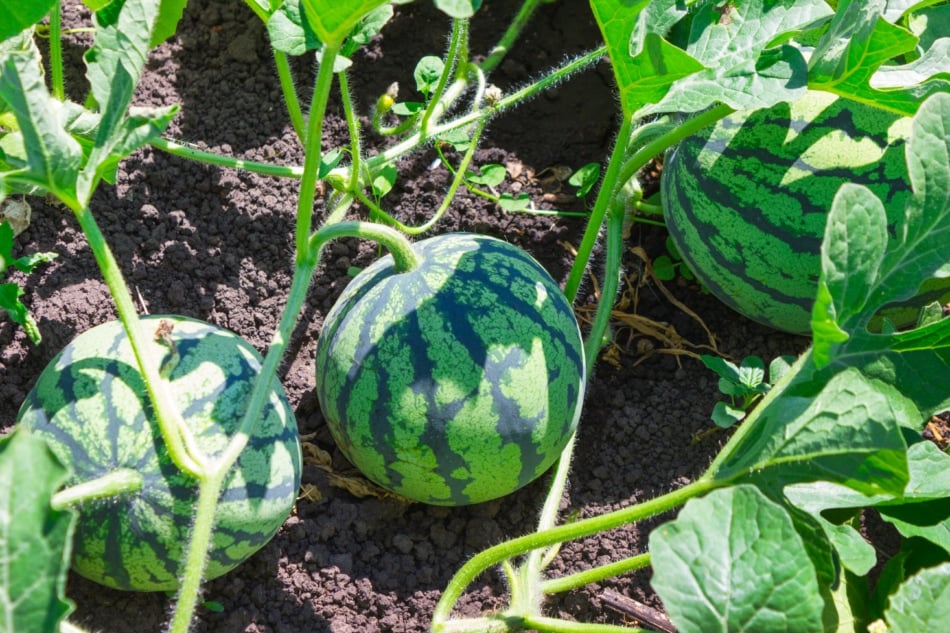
(922, 510)
(908, 360)
(645, 64)
(857, 43)
(843, 428)
(290, 32)
(34, 538)
(15, 16)
(53, 157)
(854, 245)
(332, 20)
(169, 15)
(458, 8)
(731, 56)
(731, 538)
(742, 66)
(922, 603)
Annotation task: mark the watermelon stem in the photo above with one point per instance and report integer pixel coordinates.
(180, 443)
(117, 482)
(199, 543)
(289, 91)
(313, 151)
(404, 257)
(497, 554)
(596, 574)
(458, 45)
(620, 170)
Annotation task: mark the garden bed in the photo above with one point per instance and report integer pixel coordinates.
(217, 245)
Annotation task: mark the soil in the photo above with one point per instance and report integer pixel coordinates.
(215, 244)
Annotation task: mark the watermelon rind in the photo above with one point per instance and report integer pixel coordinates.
(746, 200)
(91, 406)
(457, 382)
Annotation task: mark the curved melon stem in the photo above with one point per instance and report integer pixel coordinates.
(119, 481)
(396, 243)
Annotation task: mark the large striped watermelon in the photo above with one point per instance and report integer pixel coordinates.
(746, 200)
(91, 405)
(457, 382)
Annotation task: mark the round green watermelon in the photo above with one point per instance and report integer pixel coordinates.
(90, 404)
(746, 200)
(456, 382)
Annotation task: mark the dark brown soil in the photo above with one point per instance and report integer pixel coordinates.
(216, 244)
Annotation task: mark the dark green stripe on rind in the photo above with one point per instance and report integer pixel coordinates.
(90, 402)
(424, 376)
(746, 200)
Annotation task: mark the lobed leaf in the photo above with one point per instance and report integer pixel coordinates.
(34, 539)
(916, 362)
(731, 54)
(332, 20)
(52, 157)
(921, 510)
(841, 428)
(645, 65)
(857, 43)
(735, 43)
(854, 246)
(733, 561)
(922, 603)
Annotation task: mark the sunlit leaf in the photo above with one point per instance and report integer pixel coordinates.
(34, 539)
(17, 15)
(917, 361)
(332, 20)
(857, 44)
(922, 603)
(733, 561)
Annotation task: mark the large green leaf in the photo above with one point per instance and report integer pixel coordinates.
(922, 603)
(644, 63)
(857, 43)
(735, 42)
(841, 428)
(922, 510)
(916, 362)
(290, 32)
(169, 14)
(332, 20)
(17, 15)
(731, 54)
(34, 539)
(733, 561)
(52, 157)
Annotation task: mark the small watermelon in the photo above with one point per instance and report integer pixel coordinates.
(90, 404)
(746, 200)
(458, 381)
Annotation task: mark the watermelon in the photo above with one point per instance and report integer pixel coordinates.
(90, 404)
(746, 200)
(458, 381)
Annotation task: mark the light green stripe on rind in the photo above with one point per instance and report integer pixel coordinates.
(457, 382)
(92, 410)
(746, 200)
